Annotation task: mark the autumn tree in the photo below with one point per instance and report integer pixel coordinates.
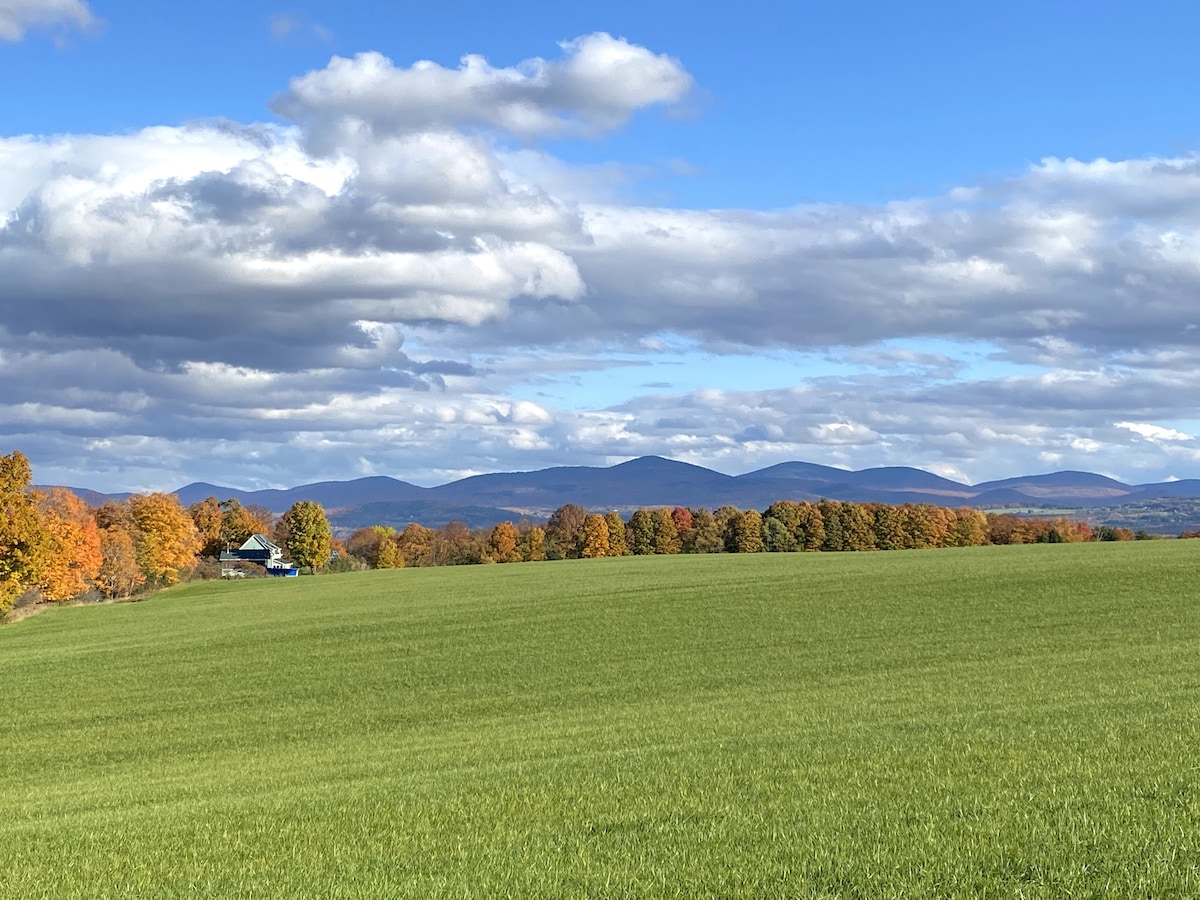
(166, 538)
(308, 535)
(666, 534)
(239, 523)
(454, 544)
(206, 516)
(502, 545)
(857, 527)
(617, 545)
(533, 544)
(918, 529)
(705, 535)
(724, 517)
(888, 526)
(417, 544)
(119, 575)
(595, 537)
(810, 528)
(969, 528)
(564, 530)
(117, 513)
(781, 521)
(831, 518)
(365, 542)
(73, 554)
(746, 532)
(1006, 528)
(23, 543)
(940, 521)
(682, 517)
(262, 518)
(388, 554)
(640, 533)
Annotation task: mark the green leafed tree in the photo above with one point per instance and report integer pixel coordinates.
(309, 539)
(640, 533)
(780, 524)
(776, 537)
(705, 534)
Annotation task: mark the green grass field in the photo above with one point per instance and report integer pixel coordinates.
(1010, 722)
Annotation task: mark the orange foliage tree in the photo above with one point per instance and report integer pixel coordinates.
(502, 545)
(206, 516)
(73, 543)
(119, 575)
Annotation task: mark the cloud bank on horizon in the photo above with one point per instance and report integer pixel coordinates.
(398, 276)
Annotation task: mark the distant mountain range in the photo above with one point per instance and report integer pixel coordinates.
(653, 481)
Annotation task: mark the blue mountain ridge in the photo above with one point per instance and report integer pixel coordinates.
(655, 481)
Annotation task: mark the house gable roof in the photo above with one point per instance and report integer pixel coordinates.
(260, 542)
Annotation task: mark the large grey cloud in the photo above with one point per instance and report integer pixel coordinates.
(387, 282)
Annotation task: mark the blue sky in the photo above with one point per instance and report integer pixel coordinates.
(957, 236)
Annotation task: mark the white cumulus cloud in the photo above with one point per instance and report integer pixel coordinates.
(597, 85)
(17, 17)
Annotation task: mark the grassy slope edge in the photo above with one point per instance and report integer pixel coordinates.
(959, 723)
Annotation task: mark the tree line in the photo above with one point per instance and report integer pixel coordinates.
(53, 543)
(572, 532)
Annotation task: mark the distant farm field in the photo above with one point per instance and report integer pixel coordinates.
(990, 722)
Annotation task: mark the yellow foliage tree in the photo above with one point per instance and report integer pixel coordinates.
(309, 539)
(167, 541)
(23, 541)
(533, 544)
(73, 543)
(595, 537)
(388, 555)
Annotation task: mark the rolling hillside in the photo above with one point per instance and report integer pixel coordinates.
(998, 722)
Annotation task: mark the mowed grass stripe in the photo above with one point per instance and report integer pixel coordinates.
(988, 722)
